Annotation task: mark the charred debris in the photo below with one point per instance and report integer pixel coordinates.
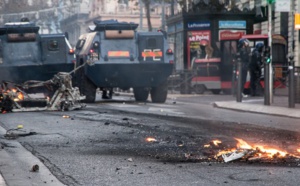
(56, 94)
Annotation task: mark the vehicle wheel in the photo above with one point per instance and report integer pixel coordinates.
(159, 93)
(199, 89)
(185, 89)
(140, 94)
(216, 91)
(88, 89)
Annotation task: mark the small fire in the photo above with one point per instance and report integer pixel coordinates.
(15, 94)
(20, 96)
(248, 151)
(150, 139)
(213, 142)
(271, 152)
(216, 142)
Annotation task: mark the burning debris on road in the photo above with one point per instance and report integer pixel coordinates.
(250, 153)
(217, 151)
(15, 98)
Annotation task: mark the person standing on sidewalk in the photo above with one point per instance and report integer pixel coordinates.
(244, 50)
(255, 67)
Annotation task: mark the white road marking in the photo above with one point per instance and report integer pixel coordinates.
(165, 110)
(160, 110)
(124, 105)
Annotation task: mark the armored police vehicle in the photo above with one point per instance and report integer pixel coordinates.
(27, 55)
(123, 58)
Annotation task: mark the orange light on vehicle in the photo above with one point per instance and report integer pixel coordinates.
(152, 54)
(71, 51)
(118, 53)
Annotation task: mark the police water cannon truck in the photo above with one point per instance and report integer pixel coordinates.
(121, 57)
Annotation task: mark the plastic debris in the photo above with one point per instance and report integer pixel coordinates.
(234, 155)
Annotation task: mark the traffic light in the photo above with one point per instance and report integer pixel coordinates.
(271, 1)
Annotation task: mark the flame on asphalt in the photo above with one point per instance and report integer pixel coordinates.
(151, 139)
(260, 150)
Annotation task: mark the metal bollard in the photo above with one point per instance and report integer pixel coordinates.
(267, 83)
(291, 82)
(239, 83)
(233, 78)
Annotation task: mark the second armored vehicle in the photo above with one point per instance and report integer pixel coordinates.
(121, 57)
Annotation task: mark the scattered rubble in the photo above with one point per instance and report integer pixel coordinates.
(35, 168)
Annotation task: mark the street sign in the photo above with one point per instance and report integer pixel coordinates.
(297, 21)
(283, 5)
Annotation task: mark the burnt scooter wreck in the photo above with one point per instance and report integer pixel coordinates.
(64, 97)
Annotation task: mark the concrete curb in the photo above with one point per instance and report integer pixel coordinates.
(257, 108)
(16, 163)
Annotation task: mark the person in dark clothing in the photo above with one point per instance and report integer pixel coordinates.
(255, 67)
(244, 51)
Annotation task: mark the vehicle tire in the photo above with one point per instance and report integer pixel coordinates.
(216, 91)
(199, 89)
(140, 94)
(88, 89)
(159, 93)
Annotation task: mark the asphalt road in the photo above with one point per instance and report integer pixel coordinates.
(105, 144)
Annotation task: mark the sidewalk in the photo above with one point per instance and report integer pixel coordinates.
(279, 106)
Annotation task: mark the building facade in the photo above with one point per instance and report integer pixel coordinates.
(74, 16)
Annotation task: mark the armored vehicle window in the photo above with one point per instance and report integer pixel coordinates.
(53, 45)
(80, 43)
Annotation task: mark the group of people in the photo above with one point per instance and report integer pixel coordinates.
(251, 61)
